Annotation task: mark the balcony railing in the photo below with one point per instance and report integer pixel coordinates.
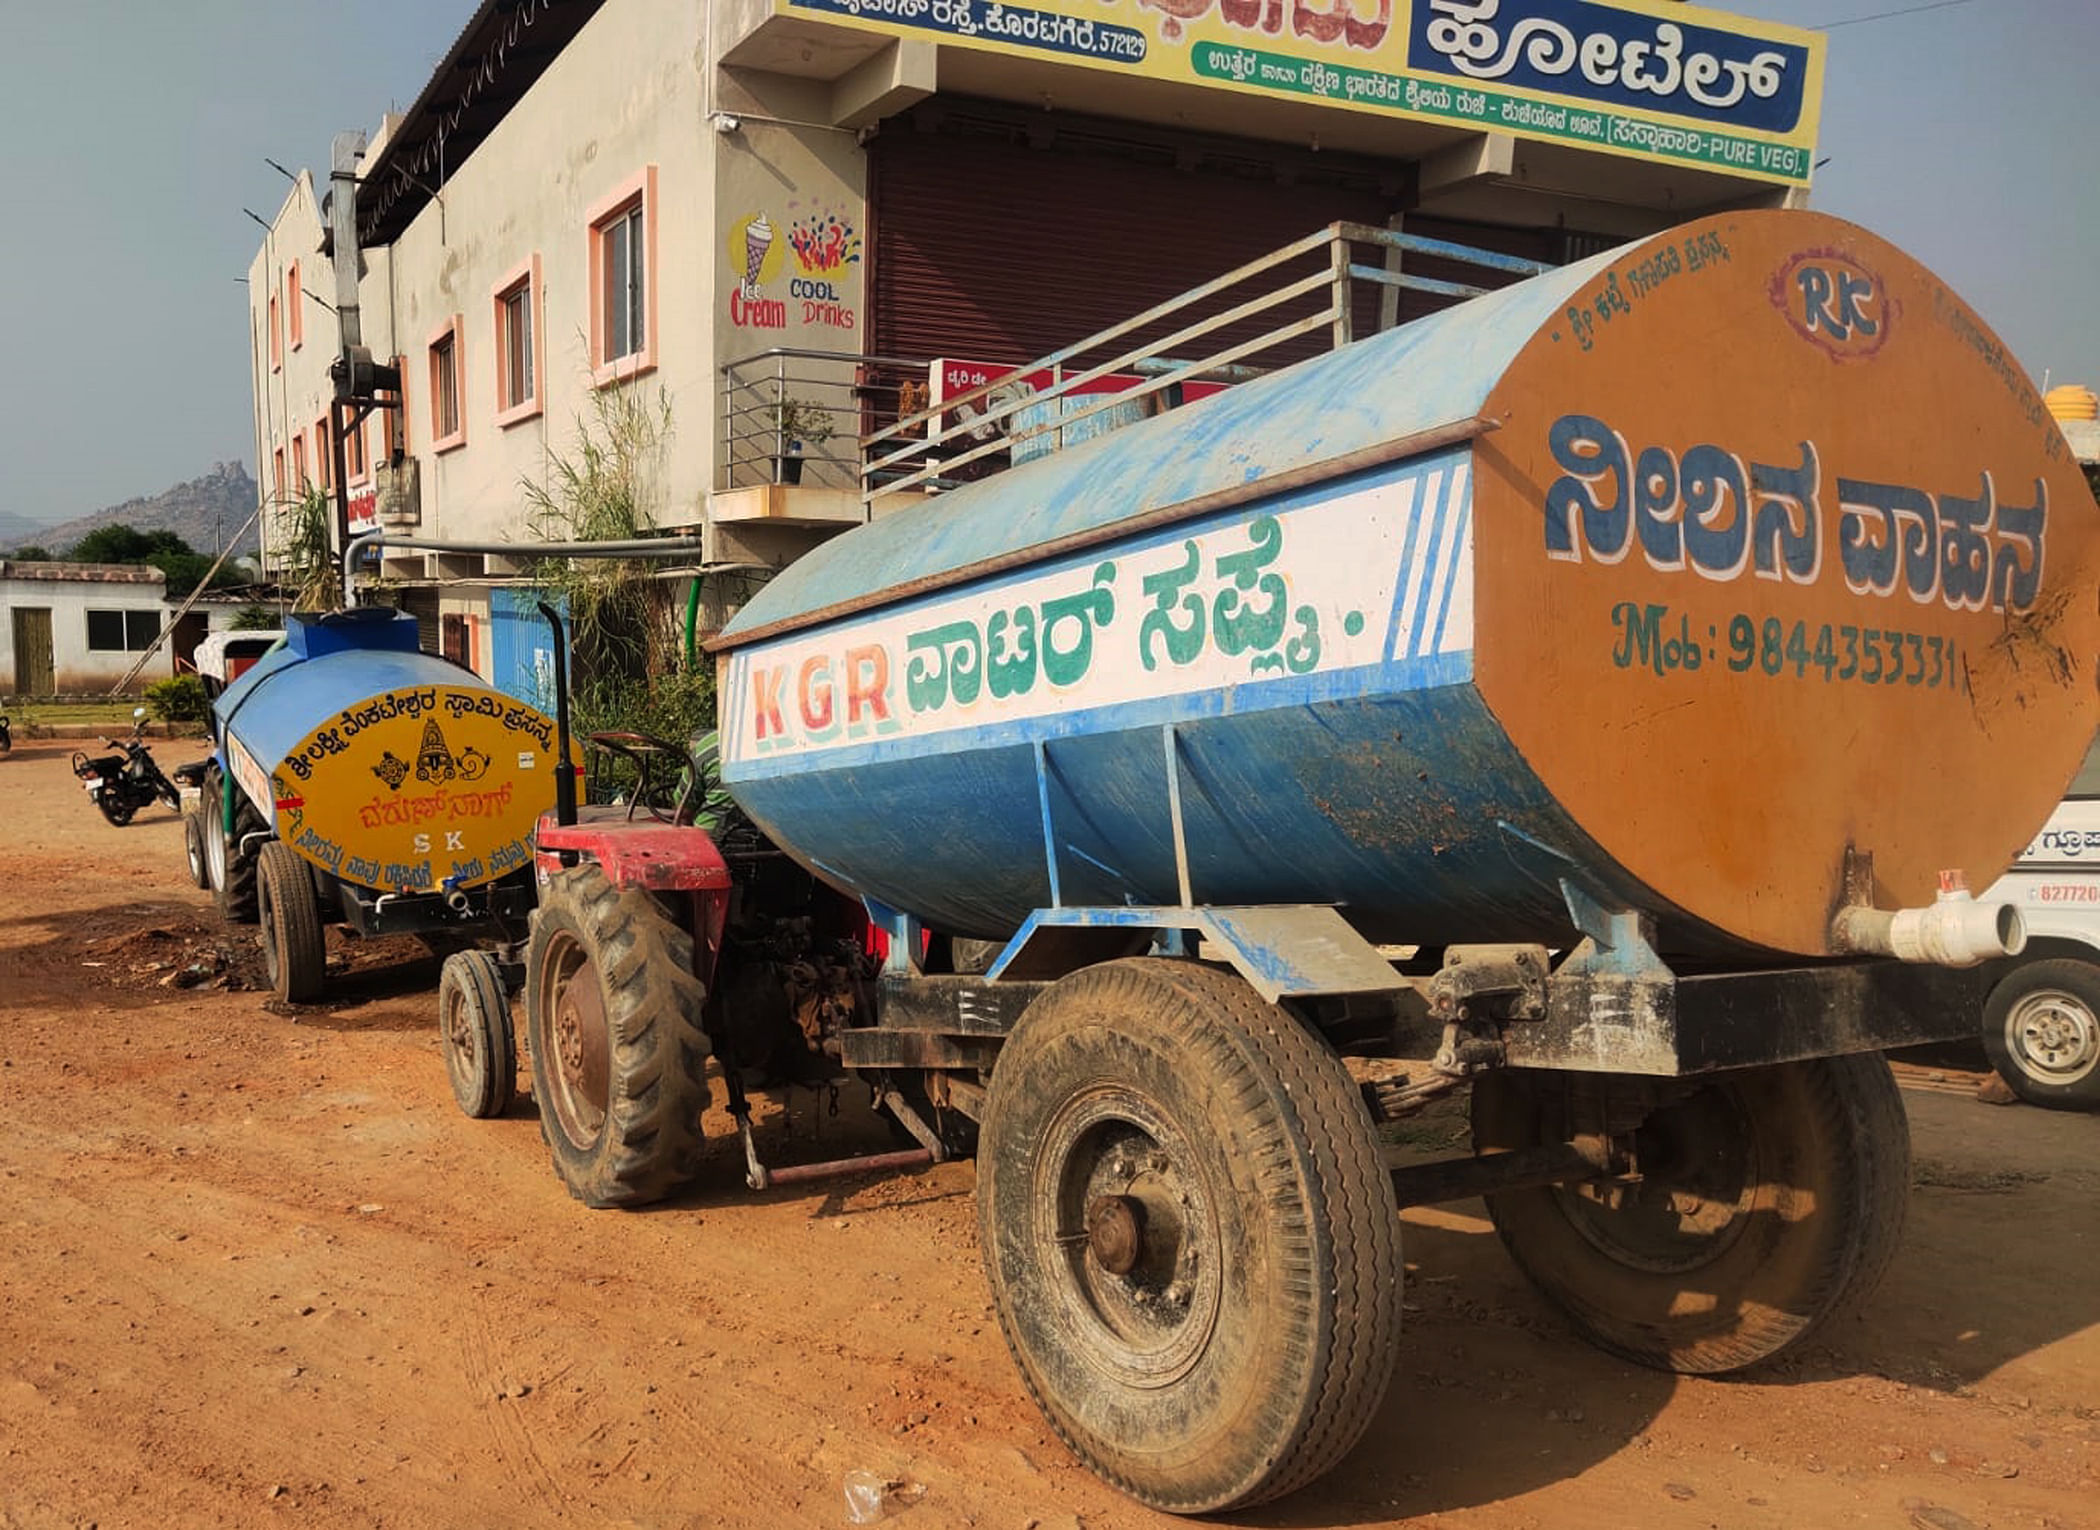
(898, 425)
(798, 416)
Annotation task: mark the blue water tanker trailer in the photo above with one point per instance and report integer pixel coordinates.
(1609, 680)
(357, 780)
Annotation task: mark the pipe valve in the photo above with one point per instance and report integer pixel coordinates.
(1954, 930)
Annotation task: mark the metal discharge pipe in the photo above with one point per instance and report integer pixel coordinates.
(657, 547)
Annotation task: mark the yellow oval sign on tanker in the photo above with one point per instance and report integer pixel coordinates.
(424, 789)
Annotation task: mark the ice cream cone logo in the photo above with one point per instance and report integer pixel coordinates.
(760, 259)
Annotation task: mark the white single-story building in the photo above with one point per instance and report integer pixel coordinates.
(67, 628)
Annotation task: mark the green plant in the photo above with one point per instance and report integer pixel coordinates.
(606, 491)
(255, 617)
(802, 420)
(674, 706)
(180, 698)
(306, 551)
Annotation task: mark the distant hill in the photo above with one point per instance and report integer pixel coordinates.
(203, 512)
(17, 529)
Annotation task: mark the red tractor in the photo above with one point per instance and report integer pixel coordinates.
(668, 931)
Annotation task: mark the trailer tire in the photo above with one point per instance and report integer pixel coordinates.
(232, 873)
(295, 948)
(1775, 1194)
(193, 847)
(619, 1059)
(1190, 1238)
(474, 1027)
(2041, 1031)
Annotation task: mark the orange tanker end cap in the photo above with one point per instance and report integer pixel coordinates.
(1780, 555)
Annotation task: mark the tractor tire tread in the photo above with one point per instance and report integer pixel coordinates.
(651, 1141)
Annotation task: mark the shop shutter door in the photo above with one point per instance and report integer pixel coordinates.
(995, 251)
(422, 604)
(986, 248)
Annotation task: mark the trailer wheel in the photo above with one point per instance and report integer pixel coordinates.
(232, 873)
(619, 1059)
(474, 1026)
(1190, 1240)
(2041, 1029)
(193, 847)
(1767, 1201)
(295, 951)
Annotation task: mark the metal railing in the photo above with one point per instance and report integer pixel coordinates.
(798, 416)
(1313, 294)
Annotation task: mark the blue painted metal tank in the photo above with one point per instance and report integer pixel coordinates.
(1674, 575)
(383, 765)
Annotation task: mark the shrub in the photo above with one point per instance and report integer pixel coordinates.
(178, 699)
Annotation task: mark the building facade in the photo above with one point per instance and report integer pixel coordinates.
(739, 236)
(74, 628)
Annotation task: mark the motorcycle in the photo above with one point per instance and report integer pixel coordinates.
(120, 784)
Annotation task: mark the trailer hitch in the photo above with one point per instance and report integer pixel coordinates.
(759, 1176)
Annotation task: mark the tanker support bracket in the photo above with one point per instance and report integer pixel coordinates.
(1284, 951)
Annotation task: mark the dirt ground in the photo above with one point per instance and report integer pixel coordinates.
(255, 1269)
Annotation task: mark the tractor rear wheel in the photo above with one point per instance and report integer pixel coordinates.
(619, 1059)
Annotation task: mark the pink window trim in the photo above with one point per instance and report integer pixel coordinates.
(324, 457)
(637, 188)
(526, 271)
(456, 331)
(357, 455)
(294, 298)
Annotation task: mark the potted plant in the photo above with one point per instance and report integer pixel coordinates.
(798, 424)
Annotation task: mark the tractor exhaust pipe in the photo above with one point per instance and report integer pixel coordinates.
(564, 777)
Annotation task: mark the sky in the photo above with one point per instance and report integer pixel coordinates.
(138, 132)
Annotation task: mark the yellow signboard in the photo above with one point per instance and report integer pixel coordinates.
(1646, 78)
(419, 790)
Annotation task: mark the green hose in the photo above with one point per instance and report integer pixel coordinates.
(226, 801)
(692, 625)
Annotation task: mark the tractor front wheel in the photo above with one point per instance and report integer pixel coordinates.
(481, 1050)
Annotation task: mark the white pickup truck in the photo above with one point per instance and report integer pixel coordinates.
(2041, 1022)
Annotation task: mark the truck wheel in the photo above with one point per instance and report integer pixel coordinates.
(193, 847)
(1190, 1241)
(232, 874)
(619, 1061)
(295, 951)
(2041, 1030)
(1768, 1200)
(481, 1049)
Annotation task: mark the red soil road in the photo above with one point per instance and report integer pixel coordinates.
(255, 1269)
